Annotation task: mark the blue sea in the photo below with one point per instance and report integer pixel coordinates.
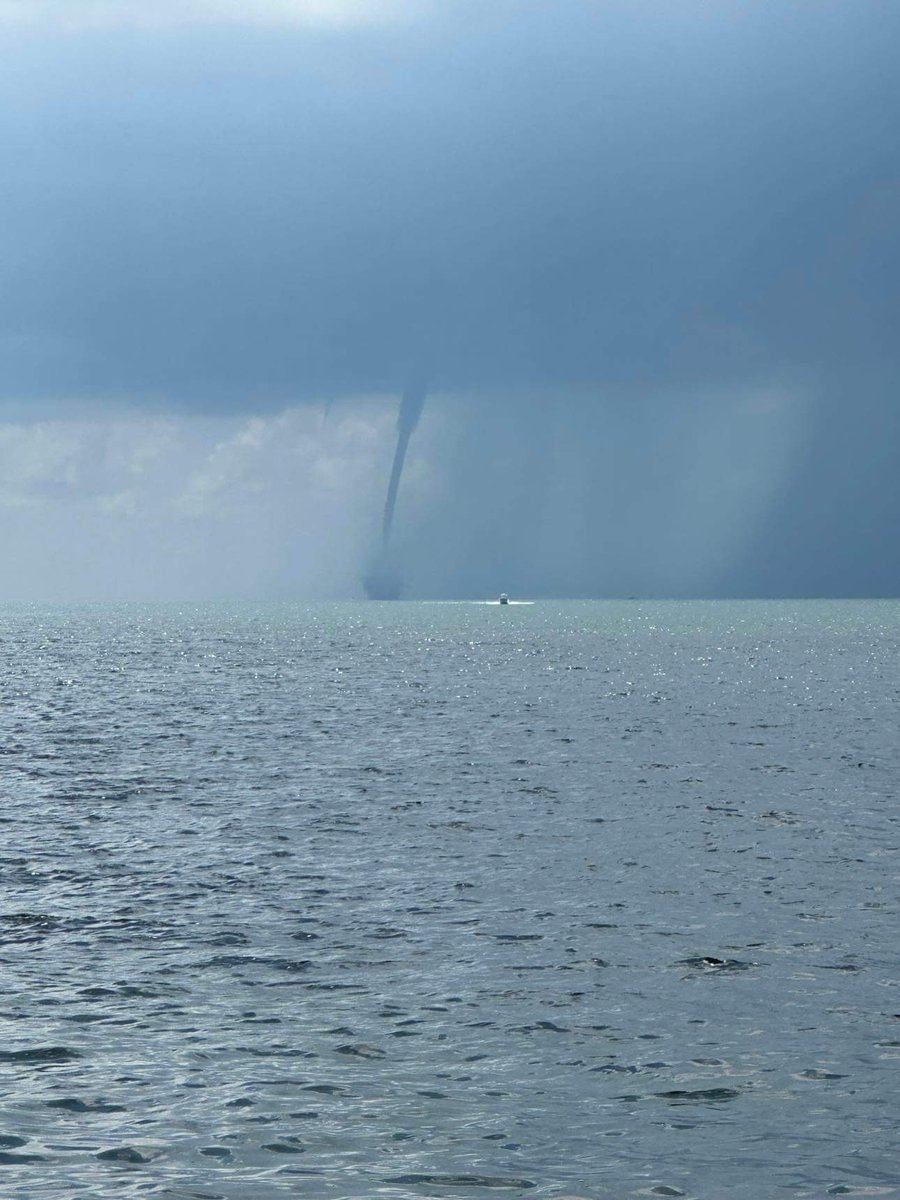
(592, 899)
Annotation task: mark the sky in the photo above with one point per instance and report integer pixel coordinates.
(645, 254)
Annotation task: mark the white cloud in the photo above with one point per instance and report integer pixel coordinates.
(111, 506)
(158, 14)
(42, 461)
(230, 472)
(262, 458)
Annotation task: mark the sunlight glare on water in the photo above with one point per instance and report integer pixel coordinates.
(592, 899)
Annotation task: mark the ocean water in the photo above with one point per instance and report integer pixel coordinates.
(449, 900)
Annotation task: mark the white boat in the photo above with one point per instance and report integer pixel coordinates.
(504, 599)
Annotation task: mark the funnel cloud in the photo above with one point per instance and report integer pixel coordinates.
(411, 405)
(649, 250)
(384, 579)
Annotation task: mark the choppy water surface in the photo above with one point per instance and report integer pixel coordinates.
(444, 900)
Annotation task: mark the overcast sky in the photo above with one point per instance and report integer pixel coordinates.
(646, 253)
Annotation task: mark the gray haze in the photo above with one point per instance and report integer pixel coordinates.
(649, 252)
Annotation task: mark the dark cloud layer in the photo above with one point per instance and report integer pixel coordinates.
(622, 203)
(542, 195)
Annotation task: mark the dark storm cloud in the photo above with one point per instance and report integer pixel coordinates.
(541, 195)
(610, 229)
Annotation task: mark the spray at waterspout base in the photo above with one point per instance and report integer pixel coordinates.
(383, 580)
